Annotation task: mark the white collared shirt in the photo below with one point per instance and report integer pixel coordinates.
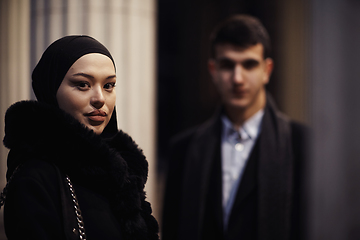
(236, 147)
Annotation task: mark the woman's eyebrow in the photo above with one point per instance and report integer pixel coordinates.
(112, 76)
(90, 76)
(83, 75)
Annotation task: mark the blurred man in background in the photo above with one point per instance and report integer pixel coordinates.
(237, 175)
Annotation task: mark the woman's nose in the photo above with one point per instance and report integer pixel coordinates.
(97, 99)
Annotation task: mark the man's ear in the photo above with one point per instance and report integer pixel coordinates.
(212, 67)
(269, 66)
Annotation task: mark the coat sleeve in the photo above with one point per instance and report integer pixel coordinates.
(173, 185)
(33, 209)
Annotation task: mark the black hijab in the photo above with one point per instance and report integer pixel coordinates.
(56, 61)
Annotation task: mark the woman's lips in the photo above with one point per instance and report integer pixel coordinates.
(97, 116)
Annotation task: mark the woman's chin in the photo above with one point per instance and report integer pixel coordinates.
(96, 129)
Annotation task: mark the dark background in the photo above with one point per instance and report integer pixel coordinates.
(186, 95)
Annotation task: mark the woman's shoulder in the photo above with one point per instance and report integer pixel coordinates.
(36, 172)
(32, 206)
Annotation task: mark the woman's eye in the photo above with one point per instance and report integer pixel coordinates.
(109, 85)
(83, 85)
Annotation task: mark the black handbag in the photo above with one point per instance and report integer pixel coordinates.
(72, 219)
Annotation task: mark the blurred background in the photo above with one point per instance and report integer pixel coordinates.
(161, 49)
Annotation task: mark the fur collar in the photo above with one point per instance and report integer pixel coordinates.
(115, 167)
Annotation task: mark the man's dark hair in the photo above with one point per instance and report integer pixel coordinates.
(242, 31)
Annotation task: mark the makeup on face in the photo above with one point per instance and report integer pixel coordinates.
(87, 91)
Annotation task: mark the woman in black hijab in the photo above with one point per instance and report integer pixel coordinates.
(71, 173)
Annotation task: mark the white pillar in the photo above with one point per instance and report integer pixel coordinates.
(14, 61)
(14, 66)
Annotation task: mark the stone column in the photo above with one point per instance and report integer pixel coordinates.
(14, 67)
(334, 189)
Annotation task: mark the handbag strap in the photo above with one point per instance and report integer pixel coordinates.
(72, 219)
(4, 191)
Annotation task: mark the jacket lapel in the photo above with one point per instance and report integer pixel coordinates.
(274, 176)
(201, 156)
(269, 173)
(249, 180)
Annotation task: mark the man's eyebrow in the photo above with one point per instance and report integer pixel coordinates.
(251, 60)
(224, 59)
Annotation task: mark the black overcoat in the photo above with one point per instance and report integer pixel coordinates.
(108, 177)
(268, 198)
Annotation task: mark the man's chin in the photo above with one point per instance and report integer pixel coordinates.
(239, 104)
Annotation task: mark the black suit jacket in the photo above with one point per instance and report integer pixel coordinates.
(267, 201)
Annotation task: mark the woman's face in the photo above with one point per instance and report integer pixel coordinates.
(87, 91)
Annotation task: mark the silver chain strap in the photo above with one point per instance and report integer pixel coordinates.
(3, 195)
(4, 191)
(79, 217)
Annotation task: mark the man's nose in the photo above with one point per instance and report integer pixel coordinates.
(97, 98)
(238, 74)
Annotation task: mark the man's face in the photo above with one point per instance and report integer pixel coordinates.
(241, 75)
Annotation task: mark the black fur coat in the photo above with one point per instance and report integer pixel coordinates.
(108, 176)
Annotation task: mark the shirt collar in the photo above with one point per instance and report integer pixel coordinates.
(250, 128)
